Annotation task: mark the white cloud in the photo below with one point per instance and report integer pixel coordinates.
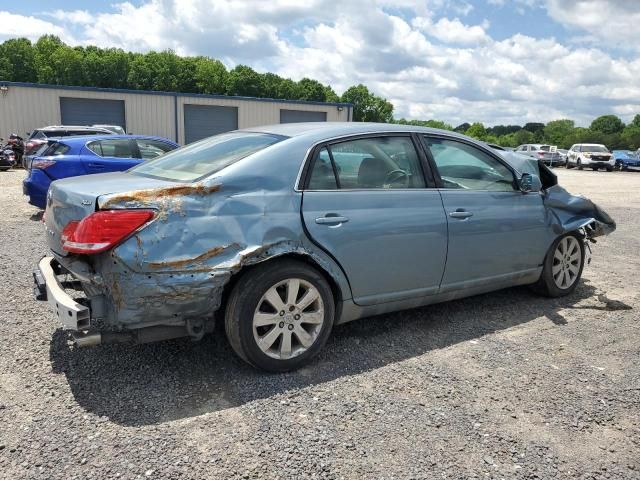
(455, 32)
(420, 56)
(615, 23)
(13, 25)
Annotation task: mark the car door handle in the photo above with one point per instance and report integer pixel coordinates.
(331, 220)
(461, 214)
(96, 165)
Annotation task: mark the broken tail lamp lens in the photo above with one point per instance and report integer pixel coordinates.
(103, 230)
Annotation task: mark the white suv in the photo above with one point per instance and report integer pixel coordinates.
(590, 155)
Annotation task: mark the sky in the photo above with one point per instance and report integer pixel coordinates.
(491, 61)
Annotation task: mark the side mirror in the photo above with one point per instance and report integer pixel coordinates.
(529, 183)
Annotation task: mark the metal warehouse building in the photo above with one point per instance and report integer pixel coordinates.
(182, 117)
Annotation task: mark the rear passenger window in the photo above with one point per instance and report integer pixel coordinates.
(111, 148)
(322, 176)
(368, 163)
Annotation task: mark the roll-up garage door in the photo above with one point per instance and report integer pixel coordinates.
(92, 111)
(295, 116)
(201, 121)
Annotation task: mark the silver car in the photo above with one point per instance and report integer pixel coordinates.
(284, 231)
(547, 153)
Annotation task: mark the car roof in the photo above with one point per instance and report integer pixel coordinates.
(326, 130)
(70, 127)
(74, 139)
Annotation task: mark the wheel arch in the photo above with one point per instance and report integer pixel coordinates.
(336, 281)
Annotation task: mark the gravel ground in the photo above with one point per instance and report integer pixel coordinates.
(505, 385)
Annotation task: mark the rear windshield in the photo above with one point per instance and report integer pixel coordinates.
(41, 149)
(56, 149)
(545, 148)
(205, 157)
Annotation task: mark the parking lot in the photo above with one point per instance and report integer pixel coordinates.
(503, 385)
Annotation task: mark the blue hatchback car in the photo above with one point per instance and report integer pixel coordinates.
(84, 155)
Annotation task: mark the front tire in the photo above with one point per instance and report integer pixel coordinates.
(580, 167)
(562, 268)
(279, 315)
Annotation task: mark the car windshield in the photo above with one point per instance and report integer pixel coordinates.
(594, 148)
(205, 157)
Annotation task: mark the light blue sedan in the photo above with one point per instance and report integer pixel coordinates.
(284, 231)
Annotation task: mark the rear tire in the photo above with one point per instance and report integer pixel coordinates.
(562, 268)
(580, 167)
(268, 322)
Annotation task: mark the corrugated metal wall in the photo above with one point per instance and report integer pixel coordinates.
(23, 108)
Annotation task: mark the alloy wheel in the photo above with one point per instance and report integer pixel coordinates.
(566, 262)
(288, 319)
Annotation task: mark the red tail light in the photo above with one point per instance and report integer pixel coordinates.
(103, 230)
(42, 164)
(541, 154)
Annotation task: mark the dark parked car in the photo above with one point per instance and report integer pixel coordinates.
(75, 156)
(287, 230)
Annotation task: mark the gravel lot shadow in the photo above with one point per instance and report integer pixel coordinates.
(155, 383)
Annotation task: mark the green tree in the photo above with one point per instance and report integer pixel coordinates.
(523, 136)
(312, 90)
(477, 130)
(368, 107)
(19, 60)
(140, 76)
(6, 67)
(116, 67)
(186, 75)
(330, 95)
(211, 76)
(67, 65)
(607, 124)
(636, 121)
(44, 48)
(163, 67)
(244, 81)
(556, 131)
(631, 136)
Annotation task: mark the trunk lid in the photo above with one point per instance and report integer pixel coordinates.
(77, 197)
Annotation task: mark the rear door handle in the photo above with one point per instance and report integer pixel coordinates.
(331, 220)
(96, 165)
(461, 214)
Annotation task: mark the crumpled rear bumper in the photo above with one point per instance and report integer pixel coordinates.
(71, 314)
